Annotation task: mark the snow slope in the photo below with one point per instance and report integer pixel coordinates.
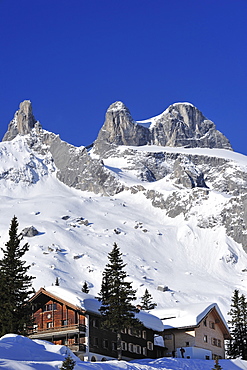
(20, 353)
(197, 264)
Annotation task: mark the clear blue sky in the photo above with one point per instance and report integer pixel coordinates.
(73, 58)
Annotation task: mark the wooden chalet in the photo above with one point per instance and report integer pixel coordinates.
(72, 318)
(194, 331)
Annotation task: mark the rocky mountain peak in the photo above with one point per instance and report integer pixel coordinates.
(120, 129)
(22, 123)
(180, 125)
(117, 106)
(183, 125)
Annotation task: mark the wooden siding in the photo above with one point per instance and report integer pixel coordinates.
(58, 316)
(62, 323)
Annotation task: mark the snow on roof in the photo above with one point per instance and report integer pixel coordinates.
(187, 315)
(79, 299)
(150, 321)
(89, 303)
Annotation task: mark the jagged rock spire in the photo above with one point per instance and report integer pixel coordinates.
(22, 123)
(183, 125)
(180, 125)
(120, 129)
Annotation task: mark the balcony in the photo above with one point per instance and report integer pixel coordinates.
(77, 347)
(57, 331)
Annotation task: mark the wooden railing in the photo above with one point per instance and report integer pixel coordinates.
(77, 347)
(64, 328)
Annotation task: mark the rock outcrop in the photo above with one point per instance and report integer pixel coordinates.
(22, 123)
(120, 129)
(29, 231)
(189, 180)
(183, 125)
(180, 125)
(77, 169)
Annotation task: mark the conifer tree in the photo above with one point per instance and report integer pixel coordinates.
(217, 365)
(237, 346)
(15, 286)
(68, 363)
(116, 297)
(84, 288)
(146, 301)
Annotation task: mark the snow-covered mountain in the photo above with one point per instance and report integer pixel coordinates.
(169, 191)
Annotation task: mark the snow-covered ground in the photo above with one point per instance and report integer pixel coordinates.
(197, 264)
(20, 353)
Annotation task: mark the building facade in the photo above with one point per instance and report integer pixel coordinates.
(195, 331)
(70, 319)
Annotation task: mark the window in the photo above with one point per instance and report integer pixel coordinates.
(95, 341)
(131, 347)
(211, 325)
(144, 334)
(150, 346)
(219, 343)
(50, 307)
(124, 346)
(49, 324)
(187, 344)
(105, 343)
(205, 338)
(130, 331)
(214, 341)
(205, 322)
(114, 346)
(138, 333)
(65, 322)
(95, 323)
(124, 331)
(144, 351)
(138, 349)
(168, 336)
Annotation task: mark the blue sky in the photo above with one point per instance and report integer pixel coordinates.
(73, 58)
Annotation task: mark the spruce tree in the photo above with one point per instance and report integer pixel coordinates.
(116, 297)
(217, 365)
(146, 301)
(15, 286)
(84, 288)
(68, 363)
(237, 346)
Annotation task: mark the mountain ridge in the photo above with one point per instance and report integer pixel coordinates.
(178, 214)
(181, 124)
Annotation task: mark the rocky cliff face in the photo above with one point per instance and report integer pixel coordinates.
(75, 167)
(22, 123)
(183, 125)
(180, 125)
(191, 181)
(120, 129)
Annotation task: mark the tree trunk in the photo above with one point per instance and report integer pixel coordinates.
(119, 346)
